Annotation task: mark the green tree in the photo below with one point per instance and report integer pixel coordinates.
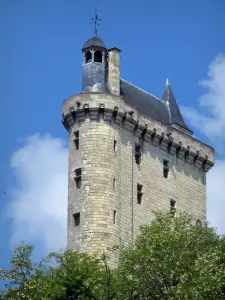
(63, 275)
(27, 280)
(79, 276)
(173, 259)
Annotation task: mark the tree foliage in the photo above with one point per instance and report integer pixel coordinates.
(171, 259)
(27, 280)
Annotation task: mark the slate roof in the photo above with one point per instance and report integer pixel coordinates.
(165, 110)
(95, 41)
(175, 114)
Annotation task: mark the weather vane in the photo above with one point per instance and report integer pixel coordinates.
(95, 21)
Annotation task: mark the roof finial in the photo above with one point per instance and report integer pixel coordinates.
(167, 81)
(95, 21)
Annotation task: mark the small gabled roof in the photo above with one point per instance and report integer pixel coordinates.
(164, 110)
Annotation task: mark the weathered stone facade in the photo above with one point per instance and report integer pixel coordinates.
(109, 131)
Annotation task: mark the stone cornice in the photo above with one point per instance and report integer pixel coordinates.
(190, 150)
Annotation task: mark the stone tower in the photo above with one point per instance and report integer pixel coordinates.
(130, 154)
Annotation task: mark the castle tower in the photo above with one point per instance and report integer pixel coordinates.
(130, 154)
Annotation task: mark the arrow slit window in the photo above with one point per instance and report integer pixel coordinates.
(165, 168)
(76, 139)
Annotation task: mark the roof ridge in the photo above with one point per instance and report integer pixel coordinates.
(169, 110)
(143, 90)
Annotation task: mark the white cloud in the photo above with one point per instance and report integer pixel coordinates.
(210, 121)
(216, 196)
(38, 207)
(212, 103)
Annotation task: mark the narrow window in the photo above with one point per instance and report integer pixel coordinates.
(78, 178)
(139, 193)
(115, 145)
(199, 223)
(114, 184)
(88, 57)
(76, 139)
(165, 168)
(98, 56)
(76, 219)
(172, 207)
(114, 217)
(137, 154)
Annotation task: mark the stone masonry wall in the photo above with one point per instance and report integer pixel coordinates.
(101, 120)
(96, 200)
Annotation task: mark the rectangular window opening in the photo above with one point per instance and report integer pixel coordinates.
(165, 168)
(76, 219)
(114, 217)
(76, 139)
(139, 193)
(172, 203)
(78, 178)
(137, 154)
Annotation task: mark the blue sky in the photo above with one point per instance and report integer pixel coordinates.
(41, 65)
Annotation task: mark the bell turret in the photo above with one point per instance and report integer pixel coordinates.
(94, 66)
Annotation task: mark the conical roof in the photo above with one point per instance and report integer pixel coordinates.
(175, 114)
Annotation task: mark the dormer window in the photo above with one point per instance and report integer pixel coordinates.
(98, 56)
(88, 57)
